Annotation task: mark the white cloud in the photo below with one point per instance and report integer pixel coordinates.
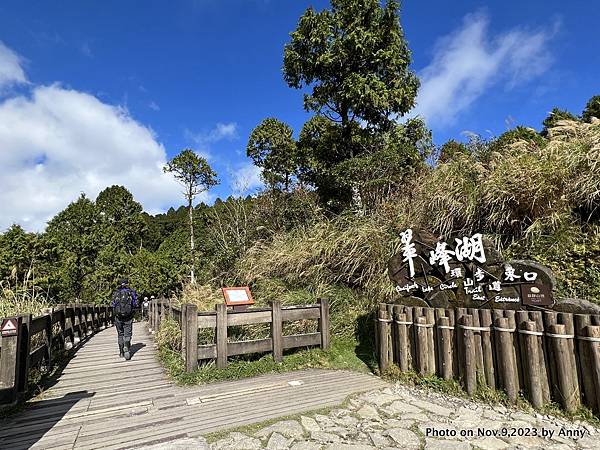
(245, 179)
(11, 71)
(220, 132)
(153, 106)
(57, 143)
(471, 60)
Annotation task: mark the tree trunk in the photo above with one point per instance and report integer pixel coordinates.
(192, 253)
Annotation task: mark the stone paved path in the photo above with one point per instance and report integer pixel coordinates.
(410, 418)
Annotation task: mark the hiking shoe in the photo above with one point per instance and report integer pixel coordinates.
(127, 354)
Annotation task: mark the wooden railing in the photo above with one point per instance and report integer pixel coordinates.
(545, 355)
(191, 321)
(39, 338)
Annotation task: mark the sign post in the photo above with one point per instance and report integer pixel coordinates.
(9, 359)
(238, 297)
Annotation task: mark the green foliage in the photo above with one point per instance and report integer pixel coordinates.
(451, 149)
(521, 134)
(554, 117)
(192, 171)
(355, 59)
(341, 356)
(592, 109)
(73, 237)
(272, 148)
(196, 176)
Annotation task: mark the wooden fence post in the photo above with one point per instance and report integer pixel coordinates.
(478, 346)
(582, 321)
(221, 335)
(532, 367)
(276, 331)
(183, 326)
(536, 316)
(324, 326)
(191, 336)
(402, 342)
(24, 350)
(383, 332)
(62, 323)
(48, 334)
(485, 321)
(446, 347)
(422, 346)
(9, 366)
(566, 373)
(593, 344)
(506, 357)
(470, 354)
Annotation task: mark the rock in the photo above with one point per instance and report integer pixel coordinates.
(306, 446)
(278, 442)
(404, 438)
(181, 444)
(432, 407)
(349, 447)
(346, 421)
(419, 417)
(400, 407)
(324, 421)
(576, 306)
(321, 436)
(237, 441)
(378, 439)
(368, 412)
(490, 443)
(288, 428)
(309, 424)
(380, 399)
(438, 444)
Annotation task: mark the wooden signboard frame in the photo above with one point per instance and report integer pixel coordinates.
(237, 304)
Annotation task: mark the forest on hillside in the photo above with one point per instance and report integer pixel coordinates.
(336, 195)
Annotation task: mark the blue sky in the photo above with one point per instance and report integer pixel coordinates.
(98, 93)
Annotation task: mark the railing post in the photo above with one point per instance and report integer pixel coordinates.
(221, 335)
(156, 324)
(62, 323)
(9, 364)
(48, 332)
(24, 350)
(191, 336)
(324, 323)
(276, 330)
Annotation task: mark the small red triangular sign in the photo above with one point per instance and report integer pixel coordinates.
(9, 326)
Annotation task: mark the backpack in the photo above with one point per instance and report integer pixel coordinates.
(122, 301)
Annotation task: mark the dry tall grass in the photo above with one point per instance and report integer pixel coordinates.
(520, 194)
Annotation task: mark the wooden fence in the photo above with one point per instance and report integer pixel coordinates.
(545, 355)
(191, 321)
(58, 328)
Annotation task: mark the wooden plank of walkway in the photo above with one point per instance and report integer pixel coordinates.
(102, 401)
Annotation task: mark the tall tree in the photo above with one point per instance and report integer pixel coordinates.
(356, 60)
(196, 176)
(272, 148)
(72, 234)
(592, 109)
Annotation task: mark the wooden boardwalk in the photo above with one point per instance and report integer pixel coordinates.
(102, 401)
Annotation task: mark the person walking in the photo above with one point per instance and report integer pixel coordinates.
(145, 307)
(124, 300)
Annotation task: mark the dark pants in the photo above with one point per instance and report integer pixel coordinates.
(124, 328)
